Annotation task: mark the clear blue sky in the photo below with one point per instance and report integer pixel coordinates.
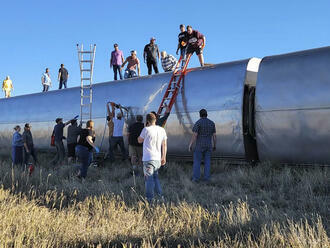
(38, 34)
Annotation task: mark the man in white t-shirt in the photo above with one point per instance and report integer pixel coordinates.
(118, 125)
(154, 141)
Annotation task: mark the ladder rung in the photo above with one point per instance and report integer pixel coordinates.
(86, 104)
(85, 69)
(86, 61)
(85, 78)
(86, 87)
(172, 90)
(85, 52)
(85, 96)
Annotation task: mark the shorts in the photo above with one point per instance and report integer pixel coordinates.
(136, 151)
(71, 150)
(192, 49)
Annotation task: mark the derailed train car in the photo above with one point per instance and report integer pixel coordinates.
(279, 113)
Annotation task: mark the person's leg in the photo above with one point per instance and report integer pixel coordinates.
(197, 165)
(199, 53)
(26, 156)
(148, 170)
(33, 154)
(54, 161)
(207, 164)
(126, 74)
(122, 147)
(154, 64)
(120, 73)
(114, 67)
(64, 83)
(158, 188)
(110, 153)
(149, 65)
(133, 74)
(82, 153)
(133, 156)
(60, 85)
(62, 152)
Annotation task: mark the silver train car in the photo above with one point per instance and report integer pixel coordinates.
(274, 109)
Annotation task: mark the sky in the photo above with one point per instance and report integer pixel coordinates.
(38, 34)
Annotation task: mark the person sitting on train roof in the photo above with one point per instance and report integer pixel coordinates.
(116, 60)
(58, 133)
(118, 125)
(7, 86)
(46, 81)
(151, 55)
(133, 64)
(196, 43)
(204, 135)
(161, 120)
(62, 77)
(168, 61)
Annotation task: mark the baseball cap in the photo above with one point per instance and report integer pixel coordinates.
(152, 38)
(58, 120)
(27, 125)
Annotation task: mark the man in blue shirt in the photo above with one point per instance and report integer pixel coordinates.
(205, 138)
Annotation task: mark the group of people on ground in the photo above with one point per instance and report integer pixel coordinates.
(189, 41)
(147, 144)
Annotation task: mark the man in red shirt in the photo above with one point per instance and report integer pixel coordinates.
(196, 43)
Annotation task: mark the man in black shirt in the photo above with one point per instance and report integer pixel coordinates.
(58, 133)
(161, 120)
(152, 55)
(63, 76)
(28, 144)
(135, 148)
(182, 45)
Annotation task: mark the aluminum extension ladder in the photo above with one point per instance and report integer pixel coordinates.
(173, 87)
(86, 63)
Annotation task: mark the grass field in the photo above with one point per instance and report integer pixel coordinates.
(262, 206)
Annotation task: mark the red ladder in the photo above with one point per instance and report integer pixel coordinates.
(172, 92)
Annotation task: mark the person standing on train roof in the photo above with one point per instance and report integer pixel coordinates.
(182, 45)
(132, 66)
(116, 60)
(58, 133)
(7, 86)
(46, 81)
(204, 135)
(84, 148)
(151, 55)
(118, 126)
(62, 77)
(17, 146)
(196, 43)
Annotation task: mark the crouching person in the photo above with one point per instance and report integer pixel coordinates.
(84, 148)
(154, 141)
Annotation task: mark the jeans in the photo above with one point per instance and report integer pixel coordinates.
(46, 87)
(115, 69)
(130, 74)
(150, 170)
(152, 63)
(85, 158)
(28, 154)
(199, 154)
(110, 154)
(118, 141)
(60, 153)
(183, 54)
(62, 83)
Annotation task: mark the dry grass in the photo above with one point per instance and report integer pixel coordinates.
(263, 206)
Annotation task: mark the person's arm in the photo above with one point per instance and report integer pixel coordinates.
(113, 109)
(158, 53)
(204, 42)
(192, 141)
(122, 57)
(108, 109)
(122, 66)
(164, 151)
(25, 144)
(67, 123)
(141, 136)
(139, 68)
(121, 111)
(59, 75)
(111, 57)
(89, 139)
(214, 138)
(144, 53)
(177, 50)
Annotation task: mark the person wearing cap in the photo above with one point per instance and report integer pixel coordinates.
(58, 133)
(46, 81)
(7, 86)
(168, 62)
(182, 45)
(133, 64)
(73, 133)
(17, 146)
(204, 136)
(151, 55)
(28, 145)
(62, 77)
(196, 43)
(116, 60)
